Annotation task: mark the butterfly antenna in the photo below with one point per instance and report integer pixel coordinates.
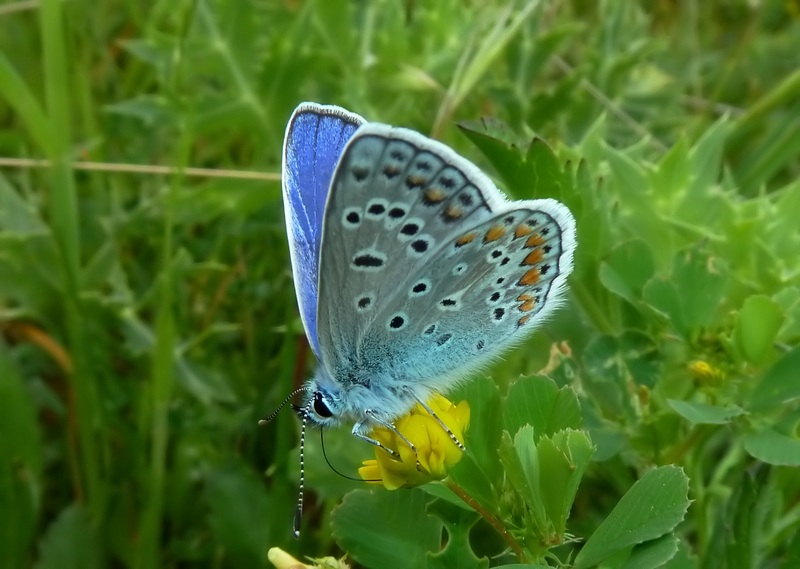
(298, 513)
(289, 397)
(345, 476)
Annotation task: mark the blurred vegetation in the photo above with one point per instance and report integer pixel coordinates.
(148, 320)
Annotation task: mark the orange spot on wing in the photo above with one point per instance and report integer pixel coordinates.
(530, 278)
(533, 257)
(434, 195)
(523, 320)
(453, 212)
(495, 232)
(464, 239)
(534, 241)
(416, 181)
(527, 306)
(522, 231)
(524, 297)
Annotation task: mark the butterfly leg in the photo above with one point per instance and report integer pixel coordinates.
(400, 435)
(392, 428)
(358, 431)
(447, 430)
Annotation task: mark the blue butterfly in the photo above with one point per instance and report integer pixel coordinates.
(412, 270)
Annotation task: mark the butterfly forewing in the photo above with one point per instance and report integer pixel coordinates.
(315, 138)
(425, 270)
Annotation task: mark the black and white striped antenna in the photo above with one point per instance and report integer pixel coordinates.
(298, 514)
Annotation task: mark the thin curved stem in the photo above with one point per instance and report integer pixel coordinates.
(493, 521)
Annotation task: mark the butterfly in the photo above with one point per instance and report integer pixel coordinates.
(411, 269)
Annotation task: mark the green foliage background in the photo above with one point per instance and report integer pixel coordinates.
(148, 320)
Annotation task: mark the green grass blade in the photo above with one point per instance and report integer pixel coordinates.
(65, 220)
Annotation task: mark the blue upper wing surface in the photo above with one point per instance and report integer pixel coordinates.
(315, 138)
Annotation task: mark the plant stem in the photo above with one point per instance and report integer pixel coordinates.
(65, 220)
(493, 521)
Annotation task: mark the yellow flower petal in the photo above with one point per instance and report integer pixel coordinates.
(370, 471)
(436, 451)
(282, 560)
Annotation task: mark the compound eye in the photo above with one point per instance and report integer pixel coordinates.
(320, 408)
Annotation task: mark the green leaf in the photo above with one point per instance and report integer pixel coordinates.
(521, 462)
(739, 522)
(683, 559)
(18, 218)
(30, 269)
(652, 554)
(775, 153)
(473, 480)
(614, 365)
(549, 178)
(546, 475)
(606, 378)
(528, 454)
(692, 270)
(706, 277)
(20, 466)
(627, 269)
(537, 401)
(480, 467)
(563, 459)
(483, 434)
(697, 204)
(636, 202)
(703, 413)
(706, 164)
(773, 448)
(457, 553)
(69, 542)
(653, 507)
(758, 324)
(386, 529)
(781, 383)
(157, 51)
(494, 140)
(538, 173)
(641, 356)
(789, 300)
(239, 513)
(23, 101)
(150, 109)
(608, 442)
(782, 227)
(673, 172)
(103, 268)
(662, 295)
(792, 558)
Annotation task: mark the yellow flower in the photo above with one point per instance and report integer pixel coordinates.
(282, 560)
(704, 373)
(436, 451)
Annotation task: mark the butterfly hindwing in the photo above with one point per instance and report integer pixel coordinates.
(407, 266)
(491, 285)
(314, 140)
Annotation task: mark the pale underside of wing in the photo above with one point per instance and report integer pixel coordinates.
(426, 271)
(315, 137)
